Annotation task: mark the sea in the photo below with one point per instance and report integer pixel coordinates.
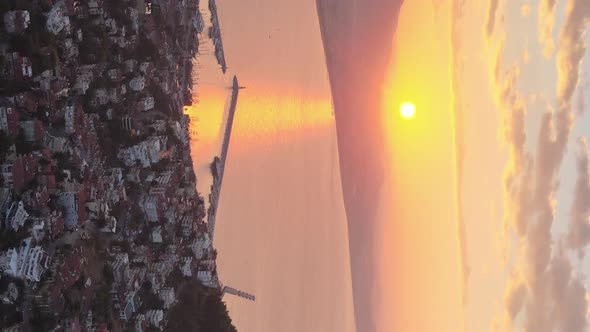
(281, 230)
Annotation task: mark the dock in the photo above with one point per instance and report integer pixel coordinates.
(218, 164)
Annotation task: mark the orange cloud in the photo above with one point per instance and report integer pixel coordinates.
(457, 65)
(579, 230)
(543, 283)
(546, 19)
(491, 18)
(572, 49)
(515, 297)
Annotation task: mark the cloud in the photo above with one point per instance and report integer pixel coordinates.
(491, 19)
(558, 302)
(525, 9)
(542, 286)
(457, 66)
(581, 106)
(571, 49)
(546, 23)
(519, 170)
(568, 294)
(579, 229)
(514, 298)
(555, 300)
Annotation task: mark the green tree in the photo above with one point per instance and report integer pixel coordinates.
(199, 309)
(4, 7)
(5, 143)
(22, 146)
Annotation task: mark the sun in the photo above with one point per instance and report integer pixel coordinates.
(407, 110)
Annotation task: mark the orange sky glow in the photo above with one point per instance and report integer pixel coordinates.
(421, 268)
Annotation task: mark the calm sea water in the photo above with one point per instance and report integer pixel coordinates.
(281, 229)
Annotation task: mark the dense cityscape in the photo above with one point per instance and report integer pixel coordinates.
(102, 227)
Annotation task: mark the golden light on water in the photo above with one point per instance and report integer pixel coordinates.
(407, 110)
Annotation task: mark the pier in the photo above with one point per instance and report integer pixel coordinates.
(218, 165)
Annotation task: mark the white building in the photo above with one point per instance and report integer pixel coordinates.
(134, 16)
(154, 317)
(22, 65)
(130, 65)
(180, 132)
(95, 7)
(186, 266)
(70, 49)
(147, 152)
(16, 21)
(101, 97)
(36, 264)
(157, 234)
(70, 118)
(16, 216)
(207, 264)
(24, 262)
(171, 215)
(5, 113)
(57, 19)
(56, 143)
(208, 279)
(201, 245)
(9, 262)
(149, 204)
(129, 307)
(167, 296)
(82, 84)
(115, 95)
(146, 67)
(70, 202)
(120, 41)
(139, 321)
(165, 86)
(139, 254)
(187, 225)
(28, 128)
(110, 25)
(137, 83)
(121, 268)
(6, 173)
(147, 103)
(38, 231)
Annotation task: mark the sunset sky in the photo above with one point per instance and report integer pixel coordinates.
(483, 214)
(509, 77)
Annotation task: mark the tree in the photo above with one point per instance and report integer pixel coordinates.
(107, 274)
(4, 7)
(101, 305)
(22, 146)
(162, 100)
(6, 143)
(23, 44)
(161, 165)
(147, 50)
(199, 309)
(101, 222)
(174, 278)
